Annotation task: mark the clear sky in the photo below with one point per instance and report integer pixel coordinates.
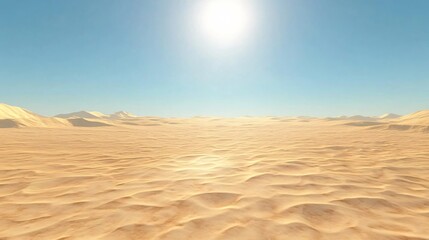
(149, 57)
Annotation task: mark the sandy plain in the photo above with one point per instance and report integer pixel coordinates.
(213, 178)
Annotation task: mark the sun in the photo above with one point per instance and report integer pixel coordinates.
(225, 22)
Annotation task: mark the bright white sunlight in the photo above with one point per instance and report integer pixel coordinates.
(225, 22)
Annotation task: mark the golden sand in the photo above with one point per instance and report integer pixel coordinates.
(208, 178)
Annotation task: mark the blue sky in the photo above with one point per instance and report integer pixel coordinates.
(304, 57)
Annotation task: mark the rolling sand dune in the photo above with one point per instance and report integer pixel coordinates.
(418, 118)
(11, 112)
(418, 121)
(212, 178)
(96, 115)
(83, 114)
(121, 115)
(16, 117)
(82, 122)
(355, 118)
(389, 116)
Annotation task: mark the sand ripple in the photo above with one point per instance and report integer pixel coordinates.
(207, 178)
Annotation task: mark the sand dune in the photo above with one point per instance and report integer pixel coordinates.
(213, 178)
(418, 121)
(82, 122)
(389, 116)
(83, 114)
(15, 117)
(96, 115)
(354, 118)
(11, 112)
(121, 115)
(418, 118)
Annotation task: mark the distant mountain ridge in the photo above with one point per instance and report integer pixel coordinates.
(122, 115)
(390, 116)
(82, 114)
(96, 115)
(16, 117)
(366, 118)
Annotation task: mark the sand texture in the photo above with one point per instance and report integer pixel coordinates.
(208, 178)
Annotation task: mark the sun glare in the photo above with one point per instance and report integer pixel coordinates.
(225, 22)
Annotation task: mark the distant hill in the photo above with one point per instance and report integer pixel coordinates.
(83, 114)
(355, 118)
(418, 121)
(417, 118)
(121, 115)
(389, 116)
(16, 117)
(366, 118)
(11, 112)
(96, 115)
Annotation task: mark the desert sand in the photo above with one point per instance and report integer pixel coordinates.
(213, 178)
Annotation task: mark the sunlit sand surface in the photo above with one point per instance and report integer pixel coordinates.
(208, 178)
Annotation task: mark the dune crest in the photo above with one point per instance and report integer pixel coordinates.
(355, 118)
(12, 112)
(389, 116)
(418, 121)
(16, 117)
(83, 114)
(82, 122)
(97, 115)
(121, 115)
(417, 118)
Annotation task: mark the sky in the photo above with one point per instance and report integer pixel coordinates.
(301, 57)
